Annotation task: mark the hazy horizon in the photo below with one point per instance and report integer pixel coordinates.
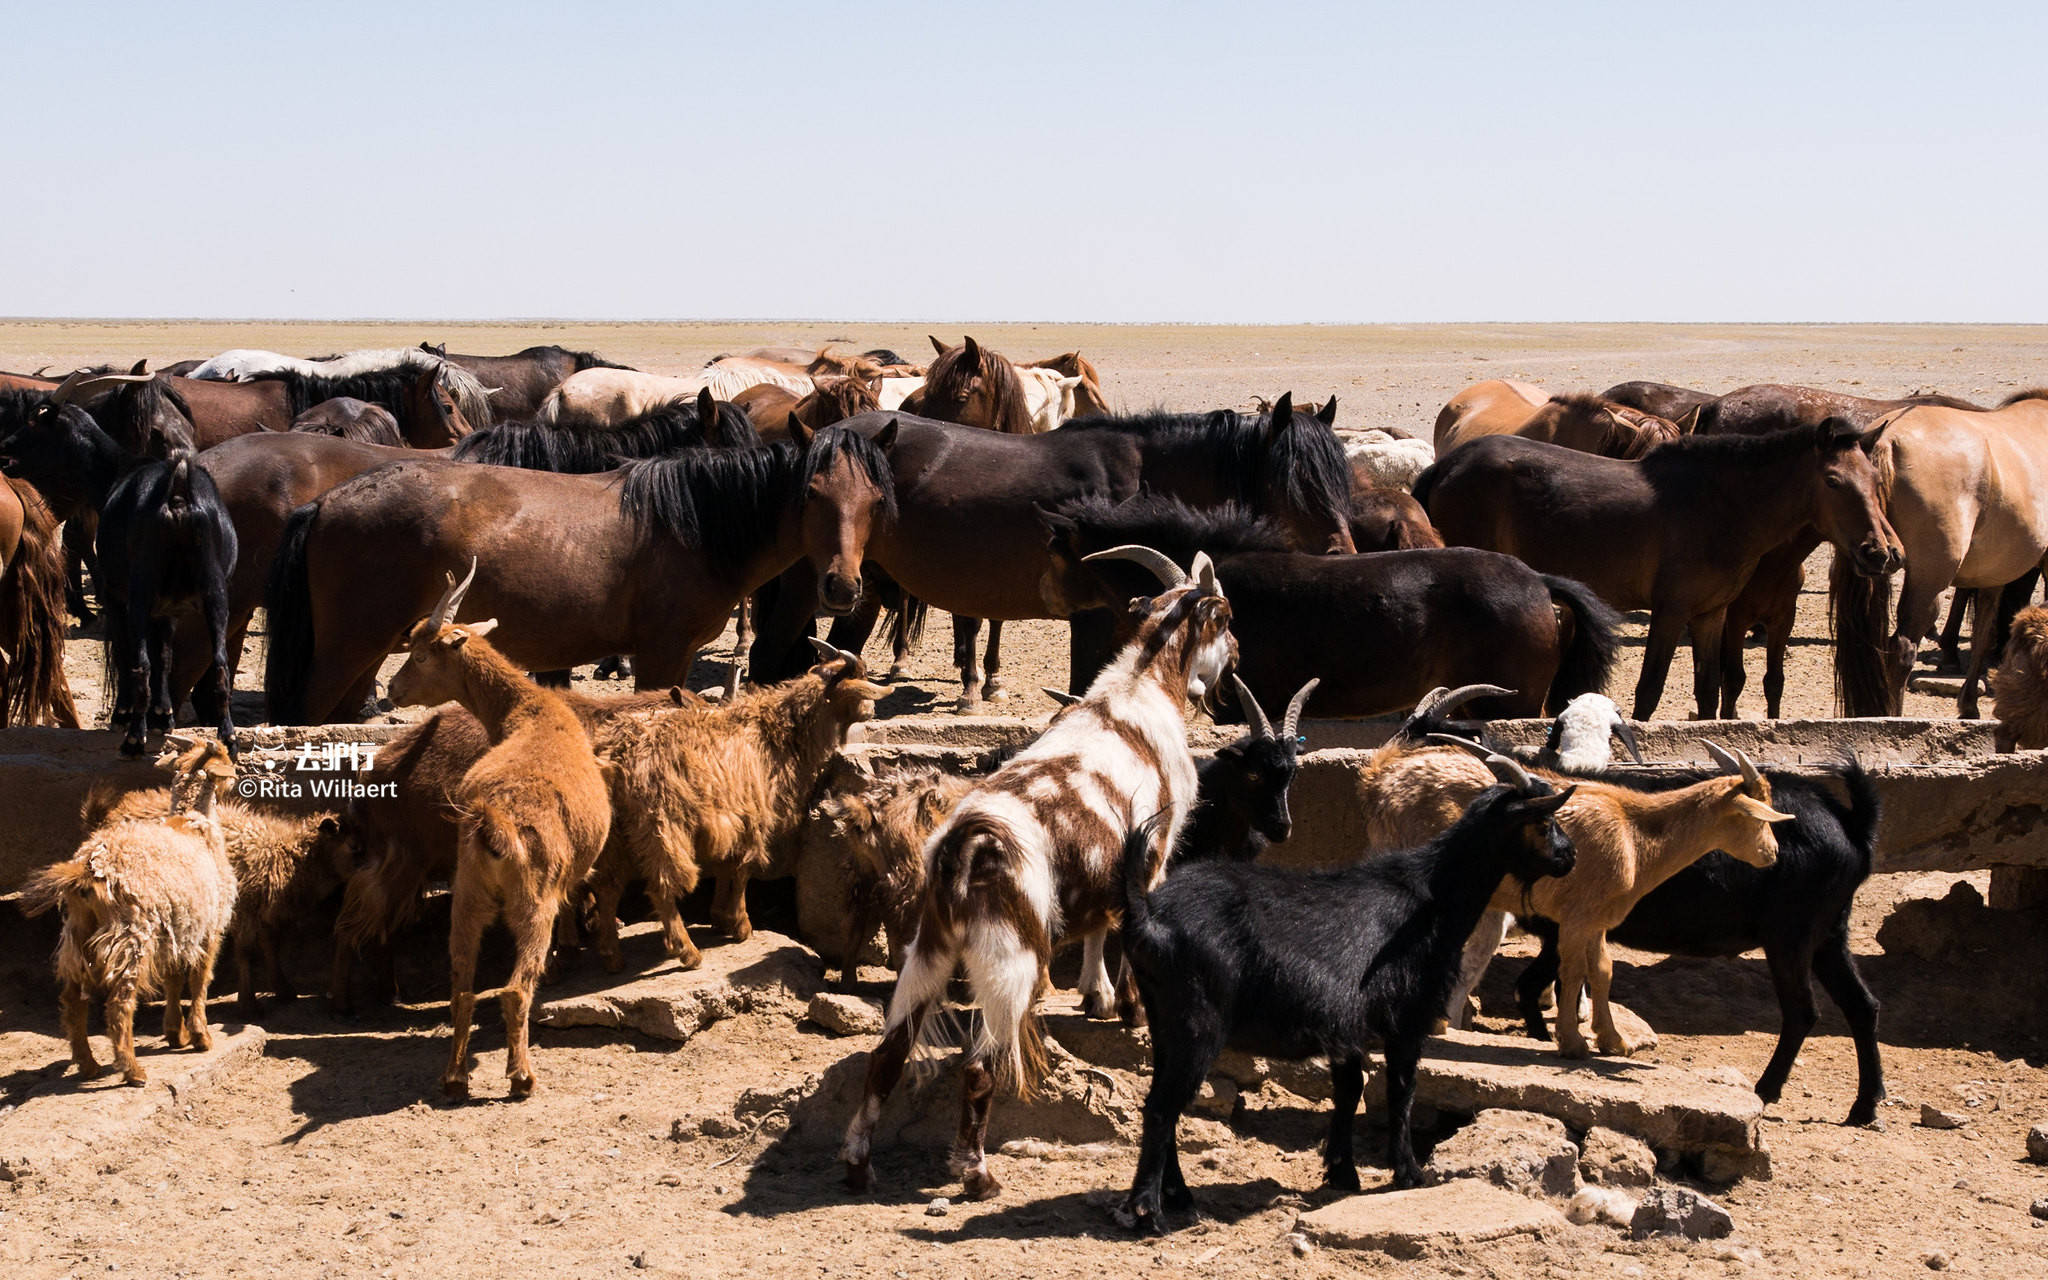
(1137, 164)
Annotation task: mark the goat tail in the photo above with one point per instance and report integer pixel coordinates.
(1139, 866)
(288, 604)
(1589, 636)
(1865, 810)
(33, 606)
(495, 832)
(47, 888)
(1859, 609)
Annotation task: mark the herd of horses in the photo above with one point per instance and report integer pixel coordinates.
(615, 514)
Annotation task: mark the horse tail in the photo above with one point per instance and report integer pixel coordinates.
(904, 621)
(550, 412)
(1859, 609)
(288, 603)
(1589, 634)
(34, 606)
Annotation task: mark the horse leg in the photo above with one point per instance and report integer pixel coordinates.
(1950, 658)
(1777, 635)
(1734, 632)
(1665, 629)
(220, 677)
(967, 657)
(1918, 601)
(161, 712)
(78, 559)
(131, 659)
(1706, 663)
(993, 689)
(742, 643)
(1984, 625)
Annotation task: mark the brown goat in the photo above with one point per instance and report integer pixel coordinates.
(711, 790)
(1628, 843)
(146, 902)
(2019, 687)
(535, 813)
(408, 832)
(284, 866)
(879, 828)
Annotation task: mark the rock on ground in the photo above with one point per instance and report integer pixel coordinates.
(767, 971)
(1614, 1159)
(1514, 1150)
(2037, 1144)
(844, 1015)
(1933, 1117)
(1678, 1211)
(1410, 1224)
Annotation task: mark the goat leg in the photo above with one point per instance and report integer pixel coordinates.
(885, 1070)
(246, 1002)
(730, 908)
(280, 980)
(1573, 955)
(970, 1157)
(1836, 969)
(1404, 1055)
(74, 1008)
(532, 927)
(1181, 1066)
(174, 1020)
(196, 1023)
(121, 999)
(1600, 972)
(465, 935)
(1097, 997)
(1347, 1086)
(1478, 954)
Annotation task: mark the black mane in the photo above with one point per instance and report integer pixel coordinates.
(1305, 462)
(538, 446)
(1171, 526)
(729, 501)
(1680, 458)
(382, 386)
(149, 418)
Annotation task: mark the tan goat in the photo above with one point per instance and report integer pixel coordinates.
(880, 828)
(284, 865)
(2020, 685)
(146, 902)
(535, 813)
(710, 790)
(1628, 843)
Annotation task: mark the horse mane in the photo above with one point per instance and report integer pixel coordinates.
(580, 360)
(541, 446)
(18, 404)
(148, 418)
(842, 397)
(1938, 400)
(1678, 458)
(1305, 460)
(946, 380)
(364, 428)
(1171, 526)
(2031, 393)
(883, 356)
(728, 502)
(384, 386)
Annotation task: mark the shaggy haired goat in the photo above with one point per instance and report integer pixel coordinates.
(535, 813)
(2019, 688)
(284, 866)
(1034, 850)
(1796, 910)
(145, 904)
(713, 789)
(882, 828)
(1298, 964)
(1629, 842)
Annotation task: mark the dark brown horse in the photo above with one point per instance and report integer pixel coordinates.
(33, 689)
(1384, 519)
(223, 410)
(1658, 398)
(519, 382)
(422, 397)
(1679, 533)
(582, 449)
(967, 537)
(1770, 406)
(647, 561)
(975, 386)
(347, 418)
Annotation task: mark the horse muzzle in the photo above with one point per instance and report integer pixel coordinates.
(838, 593)
(1878, 560)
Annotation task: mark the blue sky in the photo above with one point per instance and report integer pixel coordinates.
(1140, 162)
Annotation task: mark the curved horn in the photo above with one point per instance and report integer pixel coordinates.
(1254, 714)
(1505, 768)
(1061, 696)
(1627, 733)
(451, 599)
(1441, 701)
(1736, 762)
(80, 384)
(1168, 573)
(828, 653)
(1295, 705)
(67, 388)
(41, 369)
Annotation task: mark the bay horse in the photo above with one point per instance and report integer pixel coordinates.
(1089, 402)
(1968, 493)
(250, 366)
(33, 689)
(1660, 399)
(1678, 533)
(1575, 420)
(1496, 406)
(967, 537)
(436, 403)
(831, 400)
(648, 560)
(518, 383)
(1770, 406)
(582, 450)
(347, 418)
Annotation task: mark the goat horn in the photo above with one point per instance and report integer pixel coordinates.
(1736, 762)
(1441, 701)
(1295, 705)
(1627, 733)
(1505, 768)
(67, 388)
(1254, 714)
(1061, 696)
(180, 742)
(826, 653)
(41, 369)
(1168, 573)
(451, 599)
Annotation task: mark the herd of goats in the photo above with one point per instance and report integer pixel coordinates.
(499, 520)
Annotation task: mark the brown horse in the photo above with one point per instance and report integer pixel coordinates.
(1771, 406)
(1659, 399)
(831, 400)
(1494, 407)
(32, 685)
(223, 410)
(1678, 533)
(647, 561)
(1384, 519)
(347, 418)
(1968, 493)
(975, 386)
(518, 383)
(1089, 402)
(1587, 423)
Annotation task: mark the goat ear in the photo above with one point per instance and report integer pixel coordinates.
(483, 628)
(1757, 809)
(330, 825)
(219, 768)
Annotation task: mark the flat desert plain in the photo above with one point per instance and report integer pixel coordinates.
(331, 1155)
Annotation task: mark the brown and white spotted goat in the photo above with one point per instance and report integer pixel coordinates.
(1034, 853)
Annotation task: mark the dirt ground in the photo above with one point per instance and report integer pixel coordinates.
(332, 1156)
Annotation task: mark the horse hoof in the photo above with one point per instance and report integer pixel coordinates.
(980, 1185)
(455, 1088)
(522, 1086)
(860, 1175)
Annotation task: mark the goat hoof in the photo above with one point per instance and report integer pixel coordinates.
(897, 671)
(174, 1038)
(1144, 1222)
(90, 1070)
(980, 1185)
(1096, 1005)
(1862, 1116)
(1574, 1049)
(202, 1040)
(860, 1175)
(137, 1076)
(1178, 1199)
(131, 747)
(1342, 1178)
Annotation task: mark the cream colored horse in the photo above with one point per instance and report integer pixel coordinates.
(1967, 493)
(598, 398)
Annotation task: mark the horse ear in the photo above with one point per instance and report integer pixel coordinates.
(1282, 414)
(937, 346)
(1327, 415)
(1868, 440)
(707, 407)
(885, 439)
(799, 430)
(973, 351)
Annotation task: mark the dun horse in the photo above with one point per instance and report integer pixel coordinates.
(647, 561)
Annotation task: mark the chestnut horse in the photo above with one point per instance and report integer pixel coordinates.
(1968, 493)
(832, 399)
(647, 561)
(1678, 533)
(33, 689)
(1587, 423)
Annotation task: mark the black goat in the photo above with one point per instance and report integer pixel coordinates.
(1241, 796)
(1297, 964)
(1796, 909)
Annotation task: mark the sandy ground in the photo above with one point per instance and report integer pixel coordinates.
(330, 1159)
